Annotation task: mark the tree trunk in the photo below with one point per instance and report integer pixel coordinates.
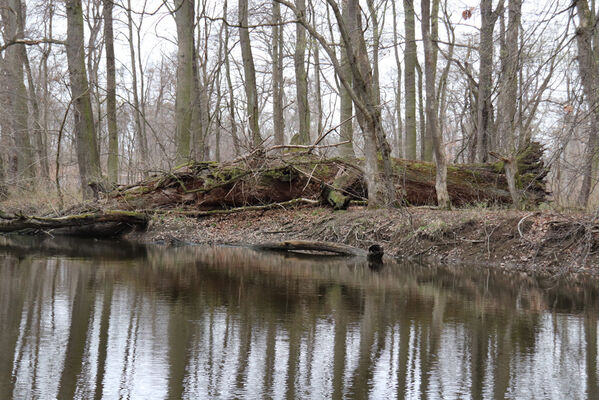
(249, 71)
(25, 167)
(137, 115)
(317, 87)
(508, 94)
(113, 137)
(38, 130)
(184, 19)
(586, 38)
(410, 56)
(485, 80)
(277, 76)
(381, 190)
(400, 147)
(346, 106)
(85, 134)
(231, 102)
(301, 79)
(432, 125)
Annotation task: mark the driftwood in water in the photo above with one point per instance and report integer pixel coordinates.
(108, 224)
(313, 246)
(265, 180)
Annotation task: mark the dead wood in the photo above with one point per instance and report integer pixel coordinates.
(314, 246)
(259, 180)
(100, 225)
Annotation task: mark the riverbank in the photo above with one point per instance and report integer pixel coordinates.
(540, 242)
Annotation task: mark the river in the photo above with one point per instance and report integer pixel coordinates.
(114, 320)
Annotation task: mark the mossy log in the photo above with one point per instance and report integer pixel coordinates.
(263, 180)
(110, 224)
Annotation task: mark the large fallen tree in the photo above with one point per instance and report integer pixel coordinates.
(259, 180)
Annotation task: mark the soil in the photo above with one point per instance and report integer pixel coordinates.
(533, 242)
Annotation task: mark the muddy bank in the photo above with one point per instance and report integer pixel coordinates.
(542, 242)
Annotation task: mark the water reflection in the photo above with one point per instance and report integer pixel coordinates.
(98, 320)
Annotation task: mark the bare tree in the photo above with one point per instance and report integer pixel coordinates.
(587, 39)
(85, 133)
(432, 123)
(301, 78)
(410, 62)
(251, 91)
(113, 137)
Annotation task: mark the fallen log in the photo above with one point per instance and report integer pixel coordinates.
(109, 224)
(264, 180)
(314, 246)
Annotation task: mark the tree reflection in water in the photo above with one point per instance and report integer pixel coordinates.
(115, 320)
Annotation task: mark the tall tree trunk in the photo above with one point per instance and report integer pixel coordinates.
(113, 137)
(139, 134)
(317, 87)
(85, 133)
(231, 102)
(249, 70)
(426, 152)
(25, 167)
(48, 32)
(485, 80)
(277, 75)
(381, 190)
(399, 137)
(346, 106)
(432, 123)
(37, 131)
(376, 40)
(508, 94)
(588, 64)
(301, 79)
(410, 57)
(184, 19)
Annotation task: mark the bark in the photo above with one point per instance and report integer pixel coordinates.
(317, 88)
(381, 191)
(137, 114)
(301, 78)
(209, 186)
(18, 98)
(588, 64)
(309, 245)
(38, 129)
(85, 133)
(113, 137)
(508, 93)
(346, 107)
(249, 71)
(399, 137)
(432, 125)
(410, 80)
(231, 102)
(485, 83)
(376, 39)
(101, 225)
(184, 102)
(277, 76)
(426, 153)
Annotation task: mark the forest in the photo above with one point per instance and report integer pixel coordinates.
(100, 95)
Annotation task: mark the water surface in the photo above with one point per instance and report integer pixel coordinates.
(88, 319)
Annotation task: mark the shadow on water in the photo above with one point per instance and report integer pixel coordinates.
(86, 319)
